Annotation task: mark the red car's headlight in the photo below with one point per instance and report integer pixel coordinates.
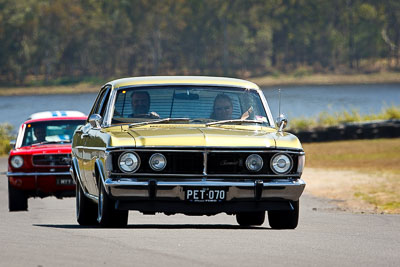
(17, 161)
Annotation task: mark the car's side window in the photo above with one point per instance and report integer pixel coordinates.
(101, 102)
(96, 103)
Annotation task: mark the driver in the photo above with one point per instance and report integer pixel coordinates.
(141, 105)
(40, 133)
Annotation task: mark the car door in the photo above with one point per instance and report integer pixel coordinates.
(93, 147)
(78, 145)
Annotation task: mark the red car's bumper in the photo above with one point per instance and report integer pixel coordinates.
(43, 183)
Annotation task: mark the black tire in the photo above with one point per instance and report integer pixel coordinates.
(86, 210)
(17, 199)
(284, 219)
(107, 215)
(250, 218)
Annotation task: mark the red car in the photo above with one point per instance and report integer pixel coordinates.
(38, 166)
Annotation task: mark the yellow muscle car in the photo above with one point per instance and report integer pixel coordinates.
(191, 145)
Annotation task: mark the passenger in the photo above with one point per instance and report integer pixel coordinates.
(223, 108)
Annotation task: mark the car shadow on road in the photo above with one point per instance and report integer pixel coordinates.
(160, 226)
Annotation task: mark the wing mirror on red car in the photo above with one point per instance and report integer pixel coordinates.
(12, 143)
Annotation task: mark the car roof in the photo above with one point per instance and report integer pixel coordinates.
(183, 80)
(55, 114)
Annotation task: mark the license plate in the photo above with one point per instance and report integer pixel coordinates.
(64, 181)
(205, 194)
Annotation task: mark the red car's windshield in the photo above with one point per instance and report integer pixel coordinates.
(57, 131)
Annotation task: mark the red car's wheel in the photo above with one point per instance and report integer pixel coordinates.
(17, 199)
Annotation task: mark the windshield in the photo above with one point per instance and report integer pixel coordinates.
(44, 132)
(197, 104)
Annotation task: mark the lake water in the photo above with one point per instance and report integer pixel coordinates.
(296, 101)
(309, 101)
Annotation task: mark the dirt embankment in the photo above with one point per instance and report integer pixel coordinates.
(340, 186)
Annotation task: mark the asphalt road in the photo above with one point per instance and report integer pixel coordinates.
(48, 235)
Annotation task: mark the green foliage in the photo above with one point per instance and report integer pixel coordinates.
(52, 39)
(302, 71)
(301, 124)
(392, 112)
(5, 137)
(325, 119)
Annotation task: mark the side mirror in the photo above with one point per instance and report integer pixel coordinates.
(12, 143)
(95, 120)
(281, 122)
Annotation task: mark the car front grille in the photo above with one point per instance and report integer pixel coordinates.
(211, 163)
(52, 160)
(177, 163)
(221, 163)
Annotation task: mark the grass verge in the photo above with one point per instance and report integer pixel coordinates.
(326, 79)
(45, 90)
(378, 161)
(297, 78)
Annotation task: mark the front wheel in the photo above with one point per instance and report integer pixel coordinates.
(17, 199)
(284, 219)
(250, 218)
(86, 210)
(107, 215)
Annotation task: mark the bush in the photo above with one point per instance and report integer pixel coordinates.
(302, 71)
(325, 119)
(5, 137)
(392, 112)
(301, 124)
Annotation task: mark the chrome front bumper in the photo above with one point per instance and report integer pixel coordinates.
(279, 189)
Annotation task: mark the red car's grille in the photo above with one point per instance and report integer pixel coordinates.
(52, 160)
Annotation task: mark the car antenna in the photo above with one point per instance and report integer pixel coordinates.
(281, 121)
(279, 92)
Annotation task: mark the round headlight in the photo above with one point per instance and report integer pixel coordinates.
(254, 163)
(157, 162)
(17, 162)
(281, 163)
(129, 162)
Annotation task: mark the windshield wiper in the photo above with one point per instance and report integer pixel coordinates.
(238, 121)
(167, 120)
(201, 120)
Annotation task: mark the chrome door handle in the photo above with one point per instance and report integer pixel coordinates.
(84, 135)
